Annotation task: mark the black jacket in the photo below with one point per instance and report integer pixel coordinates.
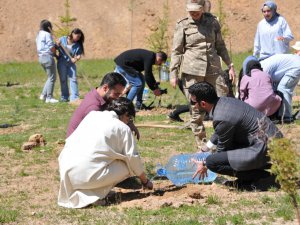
(237, 132)
(138, 60)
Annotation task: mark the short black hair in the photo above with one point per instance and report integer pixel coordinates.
(204, 91)
(121, 106)
(162, 55)
(46, 25)
(251, 65)
(112, 79)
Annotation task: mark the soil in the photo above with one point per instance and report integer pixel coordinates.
(164, 194)
(110, 27)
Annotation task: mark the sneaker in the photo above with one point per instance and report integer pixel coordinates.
(51, 100)
(42, 97)
(64, 100)
(137, 108)
(76, 102)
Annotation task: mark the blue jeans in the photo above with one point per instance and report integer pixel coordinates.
(137, 82)
(67, 70)
(48, 65)
(286, 86)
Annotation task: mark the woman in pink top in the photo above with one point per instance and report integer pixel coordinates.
(255, 88)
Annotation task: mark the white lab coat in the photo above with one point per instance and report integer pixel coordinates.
(100, 153)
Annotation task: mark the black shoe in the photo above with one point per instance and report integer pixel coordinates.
(297, 115)
(176, 118)
(130, 183)
(264, 184)
(239, 184)
(286, 120)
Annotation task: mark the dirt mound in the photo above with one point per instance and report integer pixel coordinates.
(111, 27)
(165, 194)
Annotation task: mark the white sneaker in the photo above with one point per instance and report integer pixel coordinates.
(51, 100)
(42, 97)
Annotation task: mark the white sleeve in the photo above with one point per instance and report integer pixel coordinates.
(130, 151)
(49, 40)
(256, 48)
(210, 145)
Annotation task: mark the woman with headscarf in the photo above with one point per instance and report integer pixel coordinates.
(255, 88)
(273, 33)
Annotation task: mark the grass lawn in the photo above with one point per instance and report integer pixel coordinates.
(29, 180)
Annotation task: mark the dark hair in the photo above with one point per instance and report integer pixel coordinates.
(46, 25)
(112, 79)
(251, 65)
(241, 74)
(162, 55)
(122, 106)
(204, 91)
(81, 40)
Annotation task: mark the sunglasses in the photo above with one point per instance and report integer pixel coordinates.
(266, 11)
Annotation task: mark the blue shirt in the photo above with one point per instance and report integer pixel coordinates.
(281, 64)
(266, 43)
(44, 43)
(76, 49)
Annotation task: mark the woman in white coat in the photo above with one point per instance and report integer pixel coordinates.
(100, 153)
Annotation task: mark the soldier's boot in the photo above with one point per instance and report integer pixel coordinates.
(200, 139)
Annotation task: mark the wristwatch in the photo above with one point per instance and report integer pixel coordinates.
(231, 65)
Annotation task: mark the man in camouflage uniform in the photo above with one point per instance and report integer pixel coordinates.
(197, 46)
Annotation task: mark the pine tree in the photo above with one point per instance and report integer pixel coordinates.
(66, 21)
(158, 40)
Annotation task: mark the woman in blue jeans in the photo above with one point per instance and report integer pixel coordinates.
(136, 84)
(46, 51)
(70, 51)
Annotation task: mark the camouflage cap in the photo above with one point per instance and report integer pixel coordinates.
(194, 5)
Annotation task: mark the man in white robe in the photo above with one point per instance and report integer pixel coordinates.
(99, 154)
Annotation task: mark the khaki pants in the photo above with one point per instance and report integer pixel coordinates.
(196, 114)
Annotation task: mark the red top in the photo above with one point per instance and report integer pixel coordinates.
(91, 102)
